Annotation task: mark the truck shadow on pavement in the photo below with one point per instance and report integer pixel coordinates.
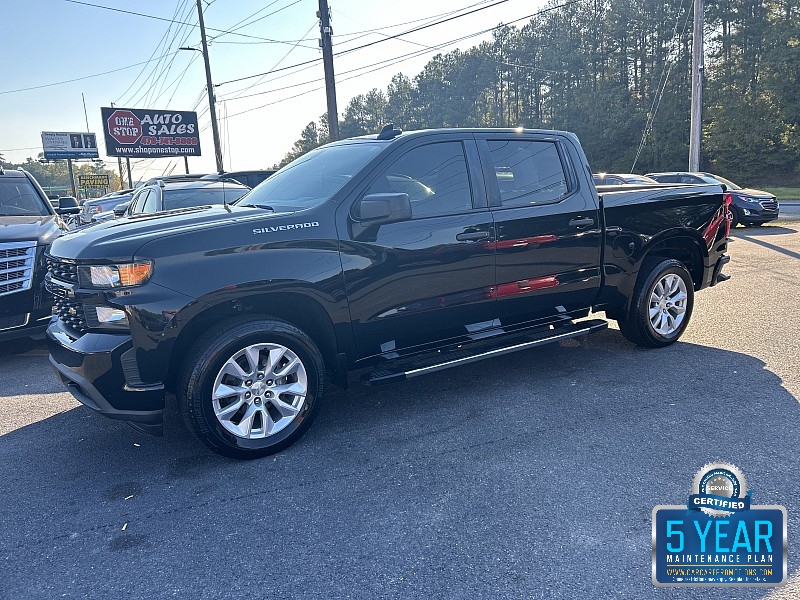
(499, 446)
(764, 230)
(753, 236)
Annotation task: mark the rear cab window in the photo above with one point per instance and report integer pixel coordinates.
(528, 172)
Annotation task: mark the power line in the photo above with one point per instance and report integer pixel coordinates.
(138, 14)
(235, 25)
(349, 50)
(420, 28)
(352, 35)
(144, 68)
(662, 86)
(357, 35)
(396, 60)
(235, 28)
(164, 72)
(46, 85)
(178, 84)
(133, 98)
(275, 66)
(402, 58)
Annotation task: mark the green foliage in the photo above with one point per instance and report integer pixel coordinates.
(56, 174)
(617, 73)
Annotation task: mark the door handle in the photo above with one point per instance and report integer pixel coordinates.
(581, 222)
(472, 236)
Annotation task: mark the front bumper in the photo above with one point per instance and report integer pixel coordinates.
(756, 214)
(93, 368)
(30, 325)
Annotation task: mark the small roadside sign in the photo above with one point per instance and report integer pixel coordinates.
(96, 180)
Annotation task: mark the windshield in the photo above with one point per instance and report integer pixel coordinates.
(194, 197)
(709, 178)
(312, 178)
(19, 199)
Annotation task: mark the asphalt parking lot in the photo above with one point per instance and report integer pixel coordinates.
(528, 476)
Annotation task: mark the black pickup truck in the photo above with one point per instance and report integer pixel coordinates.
(397, 254)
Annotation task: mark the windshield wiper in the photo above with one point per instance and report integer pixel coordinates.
(264, 206)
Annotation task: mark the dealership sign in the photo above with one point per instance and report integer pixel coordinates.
(65, 144)
(142, 133)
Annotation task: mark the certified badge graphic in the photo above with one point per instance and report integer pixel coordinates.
(719, 489)
(719, 538)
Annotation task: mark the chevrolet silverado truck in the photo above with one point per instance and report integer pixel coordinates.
(397, 254)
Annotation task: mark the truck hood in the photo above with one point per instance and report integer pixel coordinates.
(43, 229)
(119, 239)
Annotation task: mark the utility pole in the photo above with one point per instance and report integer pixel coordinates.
(119, 164)
(210, 86)
(71, 178)
(130, 177)
(696, 127)
(325, 30)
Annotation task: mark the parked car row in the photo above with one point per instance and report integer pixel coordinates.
(116, 204)
(31, 220)
(749, 206)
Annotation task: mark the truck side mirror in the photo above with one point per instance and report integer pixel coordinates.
(380, 209)
(67, 205)
(121, 209)
(374, 210)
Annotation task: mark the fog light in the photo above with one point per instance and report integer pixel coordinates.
(746, 212)
(110, 315)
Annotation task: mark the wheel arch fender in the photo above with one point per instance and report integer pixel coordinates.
(299, 308)
(685, 246)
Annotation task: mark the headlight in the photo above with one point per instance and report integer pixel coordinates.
(748, 200)
(118, 275)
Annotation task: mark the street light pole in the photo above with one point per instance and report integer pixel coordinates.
(210, 86)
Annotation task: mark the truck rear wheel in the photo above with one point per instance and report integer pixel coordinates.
(251, 387)
(661, 305)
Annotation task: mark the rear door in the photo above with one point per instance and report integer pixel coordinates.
(547, 227)
(429, 278)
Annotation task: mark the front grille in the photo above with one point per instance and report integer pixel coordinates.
(16, 266)
(768, 204)
(13, 251)
(70, 312)
(15, 321)
(62, 270)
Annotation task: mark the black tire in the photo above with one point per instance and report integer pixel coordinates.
(637, 326)
(217, 348)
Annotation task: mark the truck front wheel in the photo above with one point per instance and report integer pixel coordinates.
(661, 305)
(251, 387)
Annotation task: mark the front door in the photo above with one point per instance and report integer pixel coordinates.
(427, 279)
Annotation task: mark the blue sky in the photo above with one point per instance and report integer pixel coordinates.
(45, 42)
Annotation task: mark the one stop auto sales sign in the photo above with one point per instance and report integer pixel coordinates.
(149, 133)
